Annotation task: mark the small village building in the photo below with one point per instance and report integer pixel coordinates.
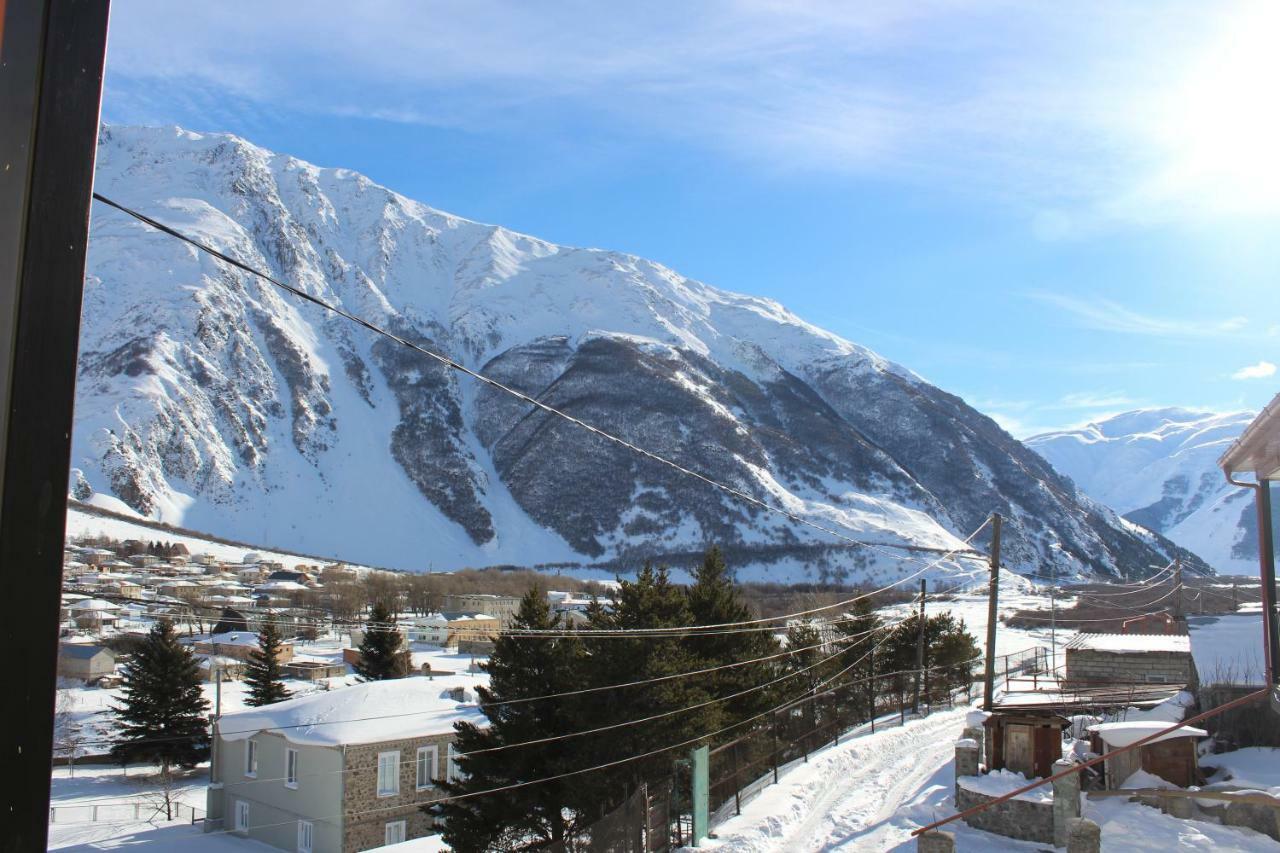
(449, 628)
(85, 663)
(239, 645)
(93, 614)
(343, 770)
(314, 670)
(1172, 757)
(1130, 659)
(504, 607)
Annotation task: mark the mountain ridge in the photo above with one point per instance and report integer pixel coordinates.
(209, 399)
(1158, 468)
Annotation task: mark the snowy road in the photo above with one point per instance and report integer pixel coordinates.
(851, 797)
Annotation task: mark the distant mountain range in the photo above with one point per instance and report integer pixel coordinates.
(1159, 468)
(208, 398)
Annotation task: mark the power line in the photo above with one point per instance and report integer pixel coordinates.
(457, 366)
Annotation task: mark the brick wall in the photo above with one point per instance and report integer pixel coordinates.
(1146, 667)
(366, 813)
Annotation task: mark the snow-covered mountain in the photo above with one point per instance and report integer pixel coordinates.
(1159, 468)
(211, 399)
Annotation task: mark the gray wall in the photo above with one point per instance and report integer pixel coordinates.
(274, 809)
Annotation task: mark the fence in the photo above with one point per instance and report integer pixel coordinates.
(741, 768)
(121, 812)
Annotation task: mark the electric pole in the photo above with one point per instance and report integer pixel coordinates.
(920, 644)
(993, 596)
(1177, 590)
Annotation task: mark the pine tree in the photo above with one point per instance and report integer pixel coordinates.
(162, 715)
(382, 654)
(263, 672)
(549, 814)
(650, 601)
(860, 632)
(712, 600)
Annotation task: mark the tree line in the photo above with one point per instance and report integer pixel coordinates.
(527, 739)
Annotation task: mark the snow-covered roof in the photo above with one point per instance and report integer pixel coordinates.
(94, 604)
(363, 713)
(1132, 643)
(237, 638)
(1132, 731)
(285, 586)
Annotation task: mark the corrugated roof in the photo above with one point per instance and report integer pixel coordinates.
(1122, 643)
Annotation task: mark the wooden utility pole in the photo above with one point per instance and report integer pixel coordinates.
(1177, 590)
(920, 644)
(51, 53)
(993, 597)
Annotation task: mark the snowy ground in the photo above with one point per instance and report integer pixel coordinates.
(871, 792)
(1228, 649)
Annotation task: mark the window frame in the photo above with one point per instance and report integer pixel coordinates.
(251, 758)
(308, 829)
(241, 807)
(291, 768)
(402, 830)
(451, 770)
(394, 756)
(433, 774)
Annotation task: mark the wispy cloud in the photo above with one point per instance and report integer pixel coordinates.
(1089, 400)
(1106, 315)
(1046, 104)
(1261, 370)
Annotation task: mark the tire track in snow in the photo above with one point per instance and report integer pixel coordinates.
(876, 776)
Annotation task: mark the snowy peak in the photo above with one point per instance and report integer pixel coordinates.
(211, 399)
(1158, 467)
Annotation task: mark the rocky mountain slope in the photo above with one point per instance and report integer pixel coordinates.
(211, 399)
(1159, 468)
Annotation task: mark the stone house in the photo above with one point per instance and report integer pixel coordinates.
(338, 771)
(450, 628)
(504, 607)
(1130, 659)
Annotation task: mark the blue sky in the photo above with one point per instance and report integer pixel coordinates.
(1056, 211)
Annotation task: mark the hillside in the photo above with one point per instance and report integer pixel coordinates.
(209, 399)
(1159, 468)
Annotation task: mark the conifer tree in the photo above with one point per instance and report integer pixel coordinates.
(860, 632)
(713, 600)
(382, 652)
(650, 601)
(162, 713)
(263, 673)
(551, 814)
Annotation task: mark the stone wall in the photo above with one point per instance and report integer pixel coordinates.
(1021, 819)
(1165, 667)
(367, 814)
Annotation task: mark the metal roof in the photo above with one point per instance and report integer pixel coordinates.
(1257, 450)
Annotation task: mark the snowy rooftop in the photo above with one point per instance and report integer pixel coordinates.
(364, 713)
(1132, 642)
(237, 638)
(1132, 731)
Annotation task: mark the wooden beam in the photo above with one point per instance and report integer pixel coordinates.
(50, 92)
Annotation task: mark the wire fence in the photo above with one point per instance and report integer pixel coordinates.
(140, 810)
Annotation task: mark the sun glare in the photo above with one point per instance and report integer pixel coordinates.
(1224, 128)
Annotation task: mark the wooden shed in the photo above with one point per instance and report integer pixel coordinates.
(1027, 743)
(1173, 757)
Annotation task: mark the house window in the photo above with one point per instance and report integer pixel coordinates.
(388, 774)
(242, 816)
(291, 768)
(427, 771)
(306, 835)
(395, 833)
(251, 757)
(451, 771)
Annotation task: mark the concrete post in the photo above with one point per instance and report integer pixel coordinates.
(1084, 836)
(936, 841)
(966, 761)
(977, 734)
(1066, 800)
